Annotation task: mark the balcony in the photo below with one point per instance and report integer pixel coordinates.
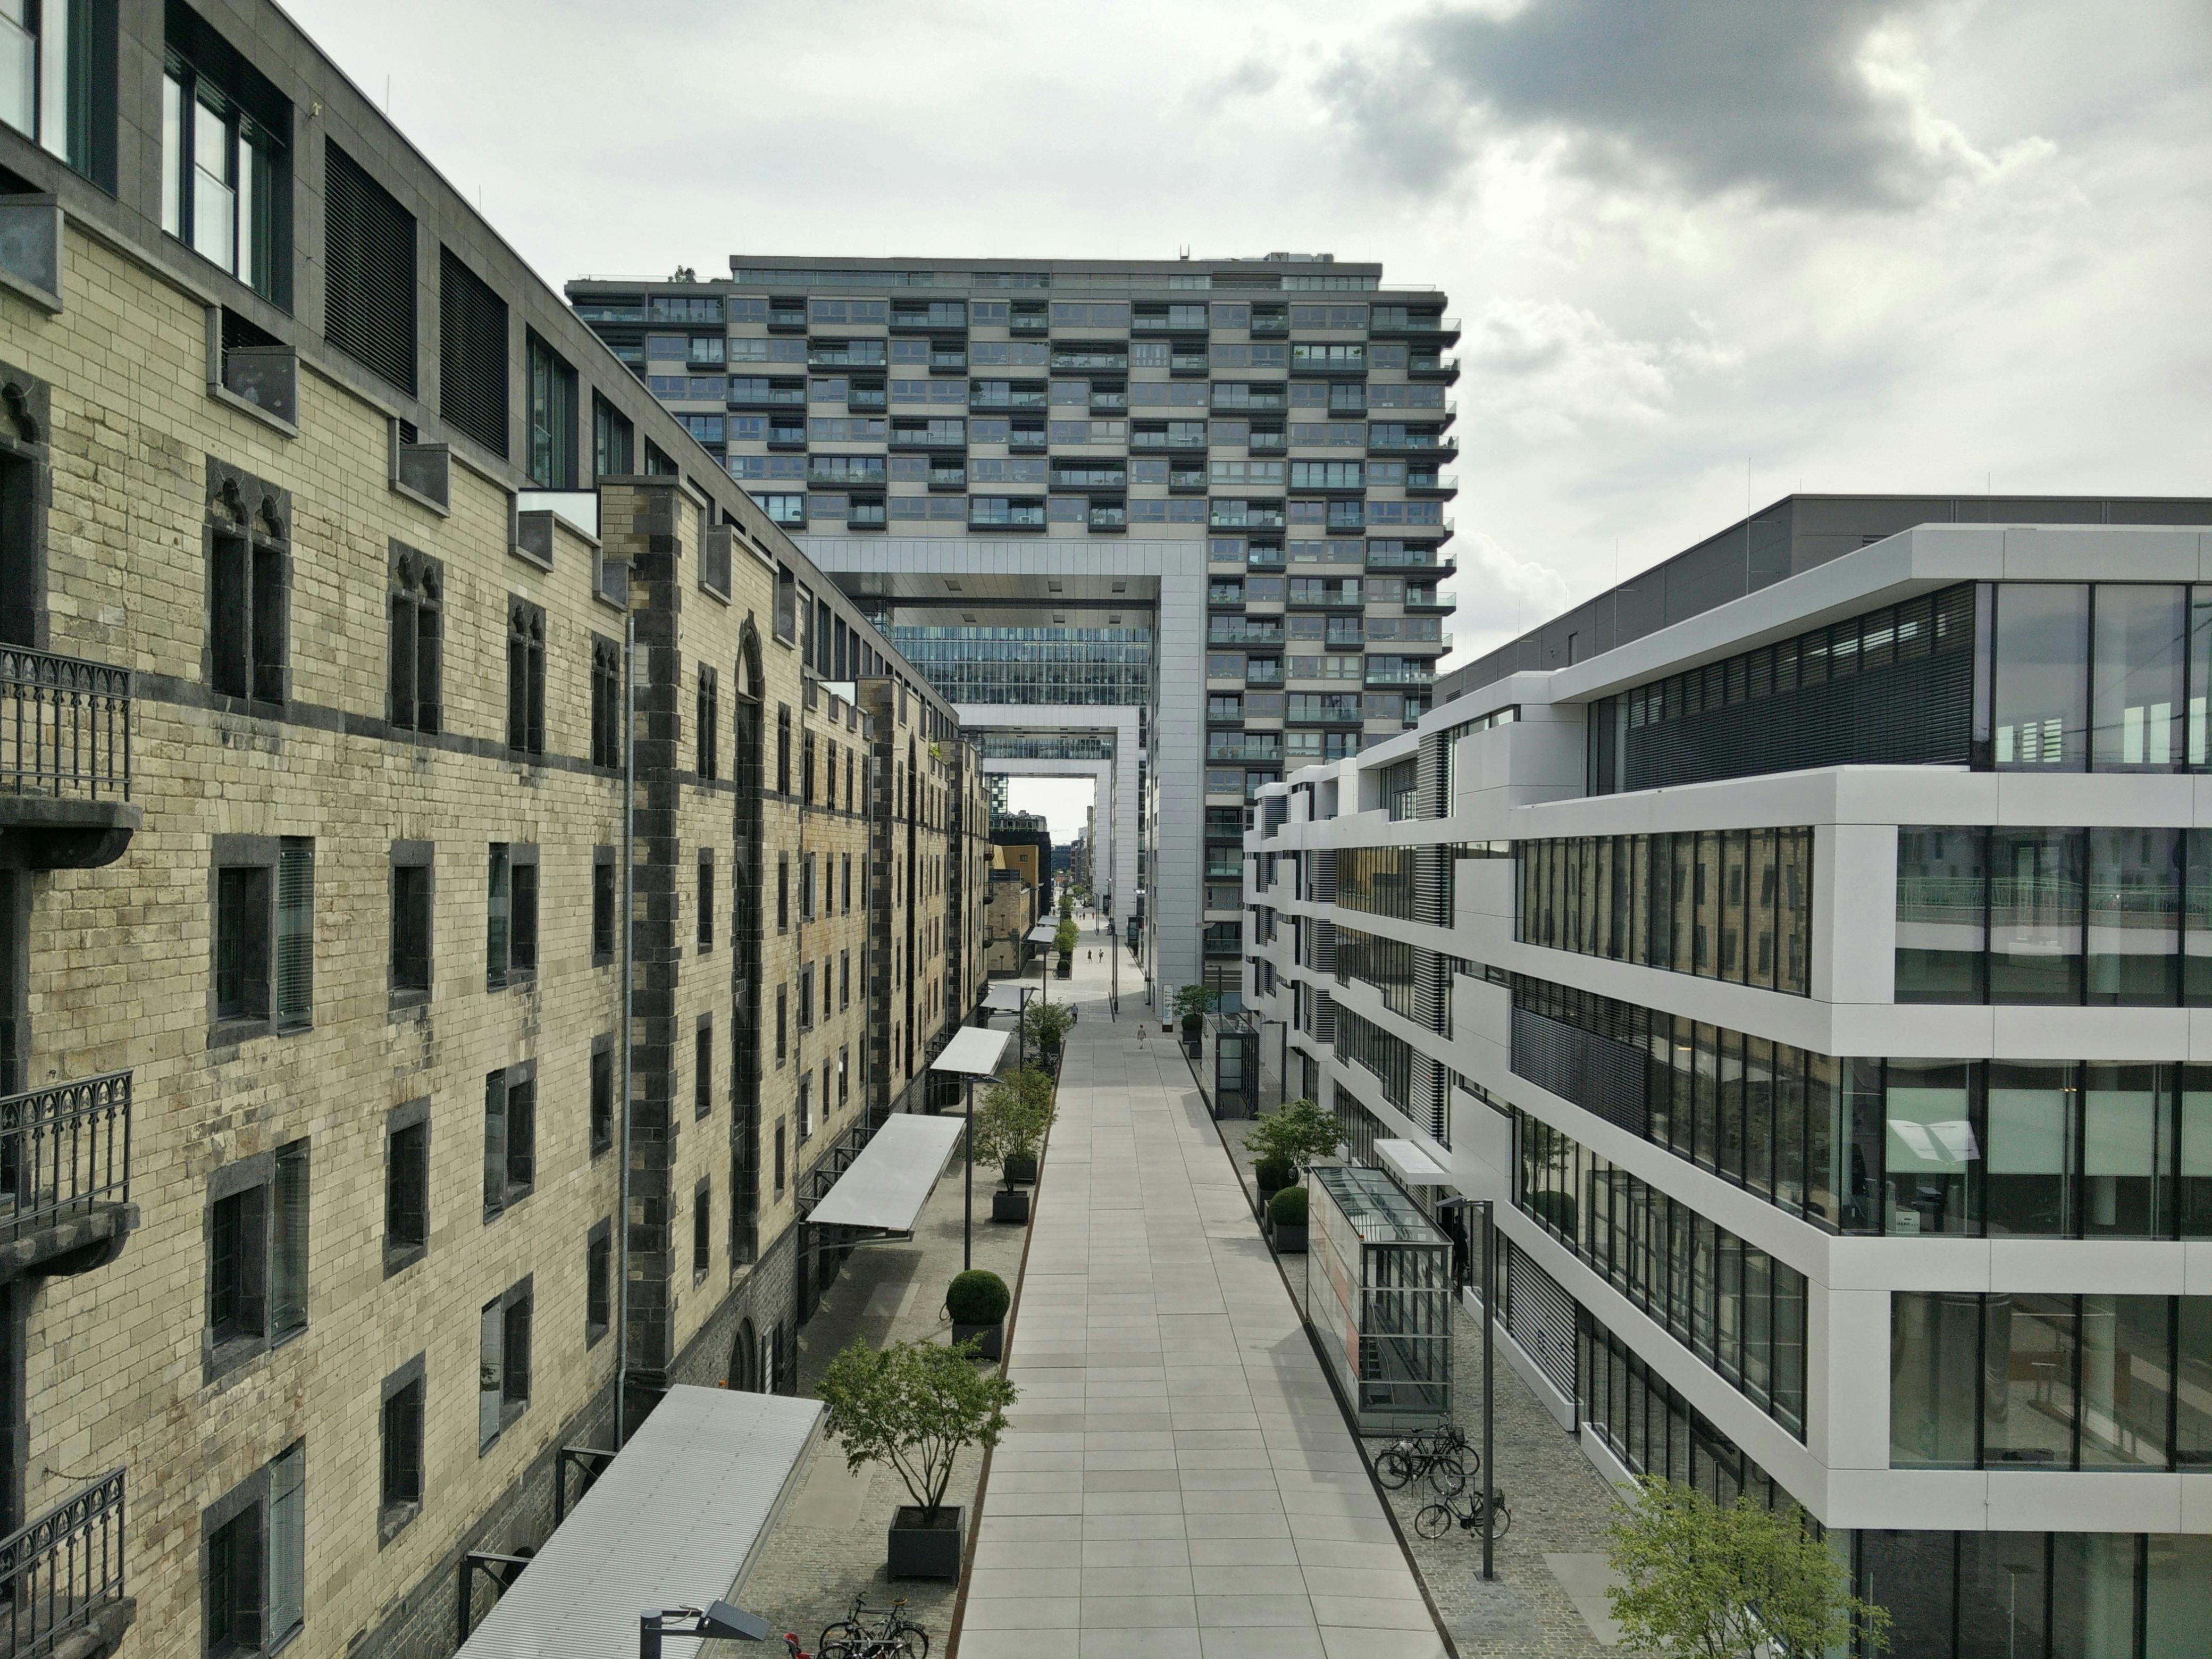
(949, 317)
(1227, 632)
(1188, 365)
(1270, 328)
(65, 1176)
(1433, 368)
(1386, 676)
(782, 320)
(1428, 445)
(1108, 518)
(1027, 322)
(1262, 754)
(1432, 483)
(61, 1578)
(1109, 403)
(1263, 673)
(1429, 604)
(865, 401)
(948, 478)
(948, 362)
(64, 762)
(1444, 330)
(1410, 558)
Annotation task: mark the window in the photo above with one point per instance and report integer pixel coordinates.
(603, 904)
(525, 678)
(845, 903)
(614, 444)
(710, 723)
(417, 600)
(368, 271)
(472, 355)
(296, 933)
(249, 587)
(241, 945)
(779, 1155)
(411, 873)
(502, 1364)
(783, 892)
(399, 1498)
(603, 1093)
(806, 998)
(806, 887)
(783, 749)
(552, 393)
(706, 929)
(224, 169)
(703, 1067)
(844, 979)
(805, 1116)
(702, 1205)
(844, 1074)
(254, 1560)
(406, 1185)
(606, 701)
(257, 1255)
(782, 1011)
(511, 915)
(806, 768)
(598, 1281)
(510, 1164)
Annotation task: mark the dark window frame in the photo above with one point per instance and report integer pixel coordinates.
(709, 731)
(606, 902)
(551, 402)
(606, 701)
(402, 992)
(246, 542)
(516, 1306)
(406, 1185)
(511, 916)
(510, 1160)
(400, 1454)
(702, 1230)
(702, 1064)
(241, 1319)
(601, 1125)
(236, 1534)
(598, 1281)
(525, 676)
(706, 928)
(415, 699)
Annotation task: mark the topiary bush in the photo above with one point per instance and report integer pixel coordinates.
(1288, 1208)
(978, 1297)
(1273, 1174)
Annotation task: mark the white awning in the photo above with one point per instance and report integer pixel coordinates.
(677, 1519)
(888, 1182)
(975, 1051)
(1411, 1164)
(1044, 933)
(1007, 996)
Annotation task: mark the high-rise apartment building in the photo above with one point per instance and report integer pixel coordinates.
(1804, 945)
(1175, 523)
(467, 882)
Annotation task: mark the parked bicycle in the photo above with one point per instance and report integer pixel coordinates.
(1436, 1521)
(868, 1633)
(1440, 1456)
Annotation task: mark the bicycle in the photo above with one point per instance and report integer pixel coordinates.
(1441, 1456)
(1436, 1521)
(887, 1637)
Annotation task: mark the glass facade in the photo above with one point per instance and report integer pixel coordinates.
(1379, 879)
(1045, 665)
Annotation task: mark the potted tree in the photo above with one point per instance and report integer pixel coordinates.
(1194, 1003)
(1287, 1209)
(1009, 1128)
(1272, 1176)
(1287, 1142)
(914, 1406)
(1046, 1025)
(1064, 939)
(976, 1301)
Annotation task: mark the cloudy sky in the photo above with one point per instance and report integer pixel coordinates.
(1703, 252)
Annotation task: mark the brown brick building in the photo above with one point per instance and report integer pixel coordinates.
(328, 544)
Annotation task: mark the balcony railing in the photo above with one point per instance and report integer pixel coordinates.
(63, 1572)
(64, 1152)
(65, 727)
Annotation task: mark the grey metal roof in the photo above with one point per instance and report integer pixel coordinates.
(975, 1051)
(1007, 996)
(677, 1519)
(888, 1182)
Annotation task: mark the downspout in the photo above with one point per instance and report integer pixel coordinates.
(629, 951)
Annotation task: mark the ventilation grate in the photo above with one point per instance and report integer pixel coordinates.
(471, 354)
(368, 271)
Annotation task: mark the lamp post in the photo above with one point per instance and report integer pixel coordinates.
(1489, 1306)
(974, 1052)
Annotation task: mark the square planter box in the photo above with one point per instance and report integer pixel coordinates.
(1010, 1206)
(920, 1552)
(1289, 1240)
(991, 1338)
(1020, 1171)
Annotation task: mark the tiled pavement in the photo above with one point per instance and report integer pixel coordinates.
(1178, 1483)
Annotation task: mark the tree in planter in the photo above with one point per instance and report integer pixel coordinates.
(1702, 1581)
(1194, 1003)
(1064, 939)
(913, 1405)
(1012, 1123)
(1046, 1025)
(1286, 1218)
(1299, 1134)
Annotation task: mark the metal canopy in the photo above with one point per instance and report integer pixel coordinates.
(1007, 997)
(1411, 1164)
(678, 1520)
(1044, 933)
(886, 1186)
(975, 1051)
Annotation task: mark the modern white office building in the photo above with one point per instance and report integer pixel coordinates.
(1808, 944)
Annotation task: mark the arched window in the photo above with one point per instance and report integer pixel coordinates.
(745, 1359)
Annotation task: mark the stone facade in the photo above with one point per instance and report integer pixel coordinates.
(149, 475)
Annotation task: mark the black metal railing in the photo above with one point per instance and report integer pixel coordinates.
(64, 726)
(63, 1151)
(61, 1568)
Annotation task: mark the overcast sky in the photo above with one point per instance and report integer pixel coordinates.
(1704, 250)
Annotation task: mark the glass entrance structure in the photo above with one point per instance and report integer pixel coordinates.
(1379, 1292)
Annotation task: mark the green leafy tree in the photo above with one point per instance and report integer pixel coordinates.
(1196, 1002)
(913, 1405)
(1064, 937)
(1013, 1117)
(1298, 1135)
(1046, 1025)
(1703, 1581)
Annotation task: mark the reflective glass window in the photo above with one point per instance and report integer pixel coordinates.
(2031, 1148)
(1932, 1154)
(2027, 1380)
(2134, 916)
(2035, 915)
(2042, 676)
(1940, 928)
(2137, 696)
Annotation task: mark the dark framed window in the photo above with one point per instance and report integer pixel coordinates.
(703, 1067)
(296, 934)
(472, 355)
(511, 915)
(598, 1281)
(249, 588)
(243, 919)
(783, 749)
(603, 903)
(368, 271)
(710, 712)
(412, 872)
(804, 1126)
(399, 1448)
(614, 440)
(226, 162)
(807, 768)
(806, 997)
(779, 1155)
(844, 980)
(510, 1144)
(256, 1240)
(502, 1364)
(60, 83)
(606, 701)
(406, 1185)
(702, 1209)
(782, 1019)
(783, 892)
(603, 1093)
(525, 676)
(418, 668)
(845, 881)
(806, 887)
(552, 391)
(253, 1547)
(706, 900)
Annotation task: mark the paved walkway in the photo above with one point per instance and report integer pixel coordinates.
(1179, 1483)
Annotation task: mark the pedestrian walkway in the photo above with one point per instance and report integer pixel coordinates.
(1178, 1482)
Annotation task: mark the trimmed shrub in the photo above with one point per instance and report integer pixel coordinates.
(1288, 1208)
(1274, 1174)
(978, 1297)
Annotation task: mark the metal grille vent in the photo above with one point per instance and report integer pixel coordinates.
(1324, 875)
(1541, 1316)
(368, 271)
(1324, 947)
(471, 354)
(1434, 774)
(1430, 892)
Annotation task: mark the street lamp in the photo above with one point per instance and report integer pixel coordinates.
(716, 1618)
(974, 1052)
(1489, 1305)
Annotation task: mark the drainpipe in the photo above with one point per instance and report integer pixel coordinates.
(628, 966)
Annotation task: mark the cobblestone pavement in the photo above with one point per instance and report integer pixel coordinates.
(1558, 1503)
